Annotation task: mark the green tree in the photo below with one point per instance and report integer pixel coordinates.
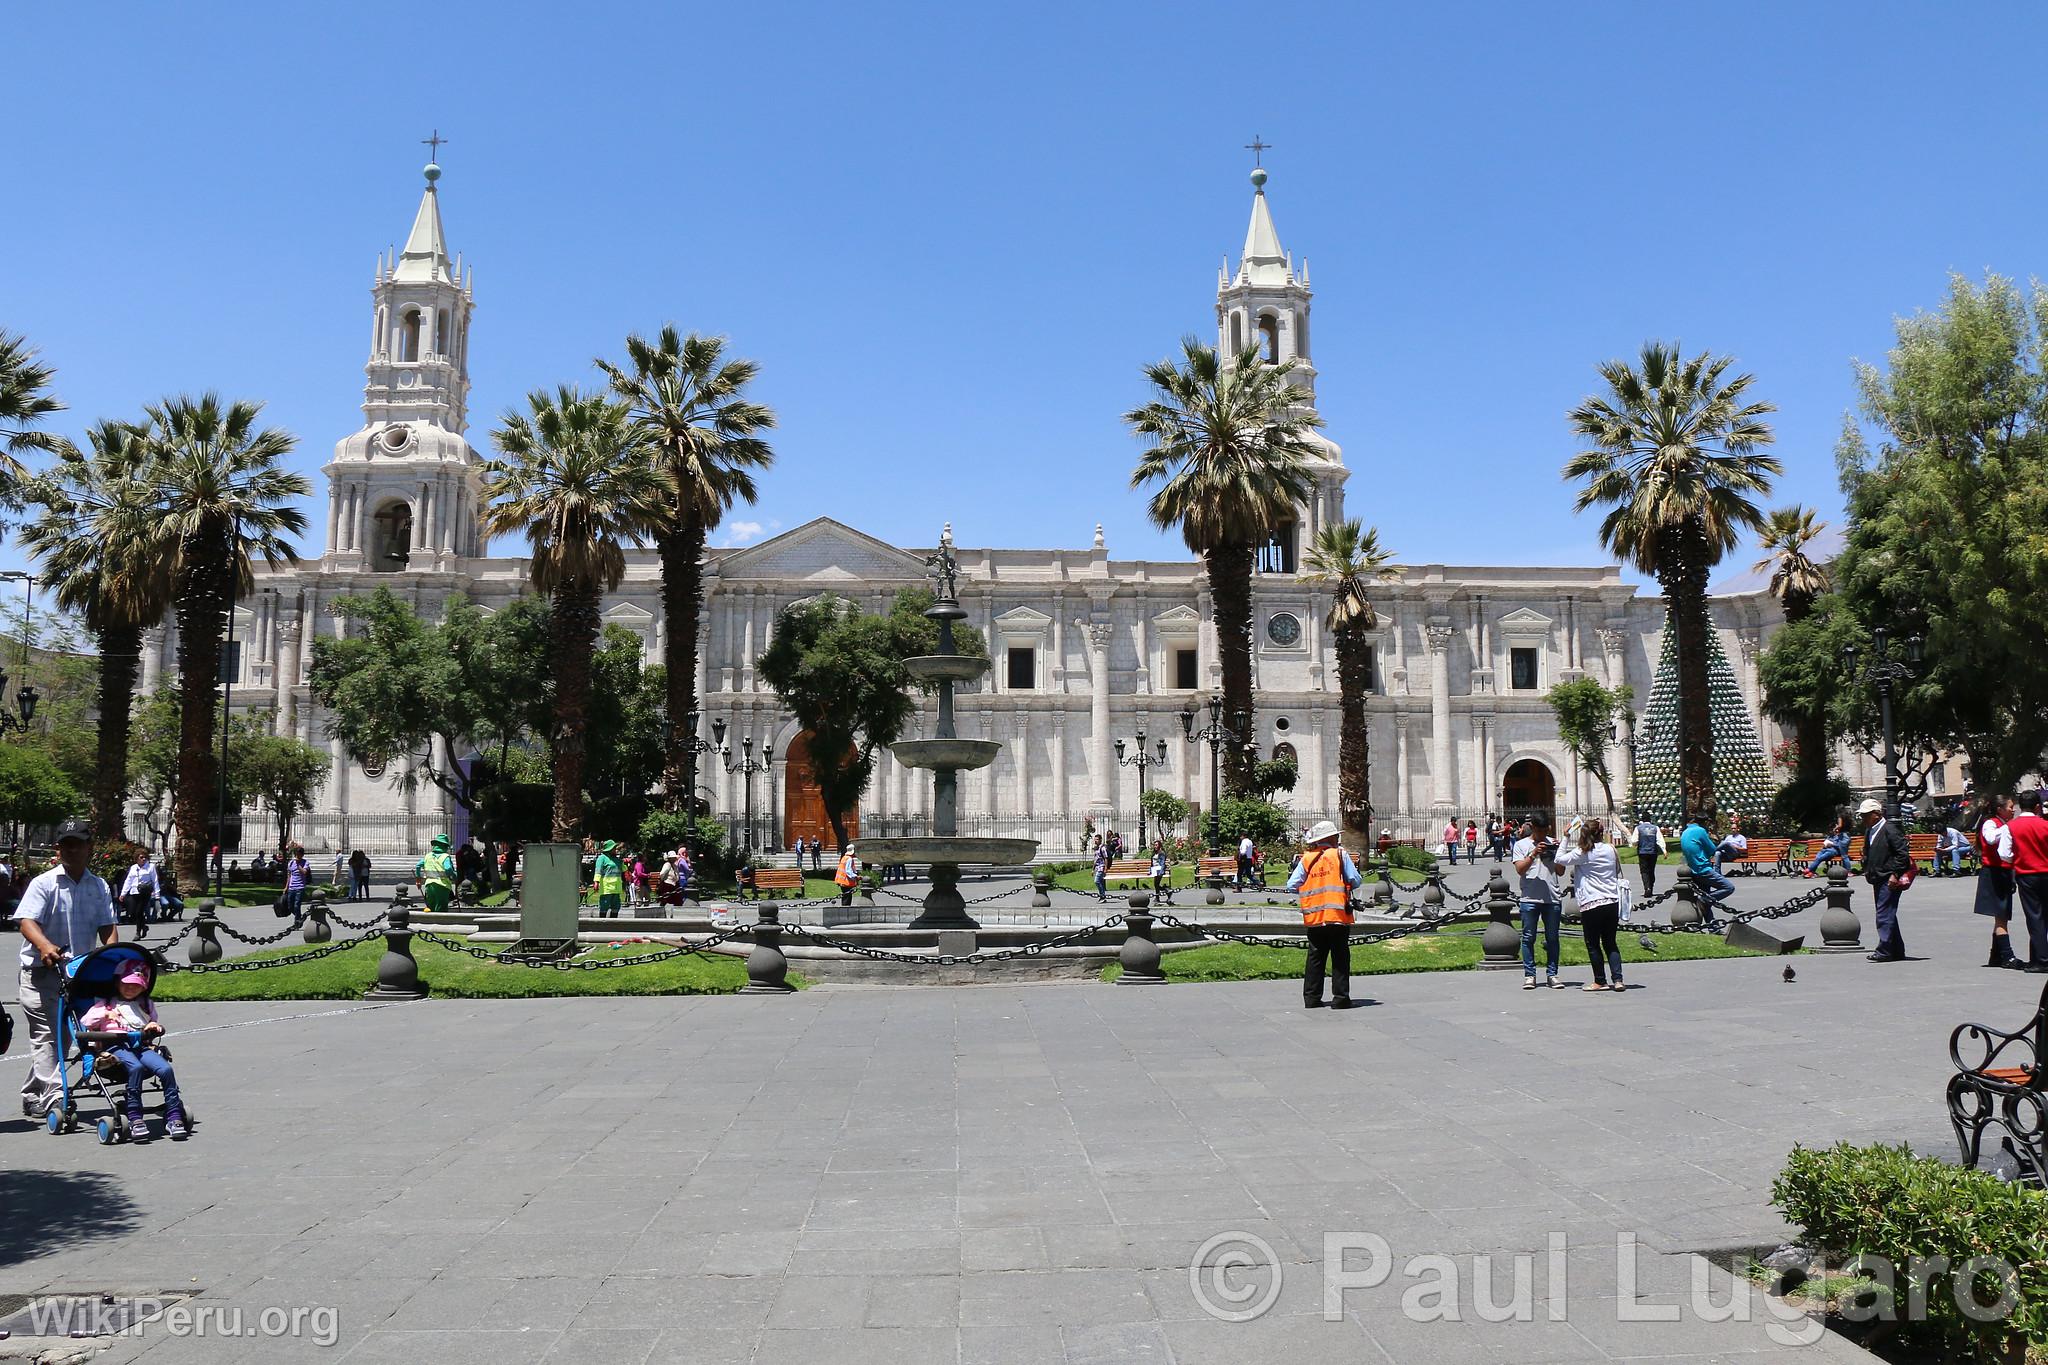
(98, 534)
(627, 710)
(703, 436)
(225, 498)
(1274, 775)
(26, 403)
(1166, 809)
(1797, 580)
(840, 672)
(1585, 713)
(569, 473)
(1675, 456)
(64, 679)
(1228, 443)
(32, 791)
(153, 758)
(1947, 493)
(1347, 559)
(285, 774)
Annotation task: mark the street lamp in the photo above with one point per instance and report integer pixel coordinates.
(1141, 760)
(1215, 734)
(747, 766)
(1885, 670)
(692, 744)
(26, 697)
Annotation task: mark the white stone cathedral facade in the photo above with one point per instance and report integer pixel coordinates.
(1088, 648)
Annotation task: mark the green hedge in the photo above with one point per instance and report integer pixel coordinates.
(1882, 1209)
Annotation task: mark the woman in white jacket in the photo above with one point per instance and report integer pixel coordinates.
(1595, 870)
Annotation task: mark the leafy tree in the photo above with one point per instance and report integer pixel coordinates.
(1228, 443)
(704, 437)
(32, 790)
(398, 684)
(99, 536)
(1274, 775)
(1585, 713)
(1947, 492)
(626, 718)
(840, 672)
(1166, 809)
(225, 498)
(153, 758)
(1265, 822)
(569, 473)
(285, 774)
(1796, 581)
(65, 681)
(1675, 455)
(1347, 558)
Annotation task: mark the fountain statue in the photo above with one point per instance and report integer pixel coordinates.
(944, 850)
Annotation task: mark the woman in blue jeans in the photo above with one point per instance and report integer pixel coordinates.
(1535, 856)
(1836, 845)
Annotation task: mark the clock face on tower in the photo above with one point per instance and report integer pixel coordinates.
(1283, 629)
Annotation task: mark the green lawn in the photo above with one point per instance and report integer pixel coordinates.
(1452, 951)
(252, 893)
(346, 975)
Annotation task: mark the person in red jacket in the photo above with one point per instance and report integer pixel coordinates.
(2030, 874)
(1994, 878)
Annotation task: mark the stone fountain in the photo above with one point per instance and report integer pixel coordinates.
(945, 851)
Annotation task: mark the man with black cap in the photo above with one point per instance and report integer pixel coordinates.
(65, 912)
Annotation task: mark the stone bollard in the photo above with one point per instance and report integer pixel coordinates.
(398, 976)
(1840, 930)
(1041, 890)
(1139, 957)
(204, 947)
(1502, 940)
(1383, 894)
(315, 928)
(866, 897)
(767, 966)
(1433, 894)
(1685, 909)
(401, 897)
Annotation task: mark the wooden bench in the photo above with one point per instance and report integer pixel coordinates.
(1920, 848)
(2001, 1089)
(1769, 856)
(774, 879)
(1130, 870)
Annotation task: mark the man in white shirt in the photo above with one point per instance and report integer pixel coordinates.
(1244, 861)
(65, 912)
(1535, 856)
(138, 892)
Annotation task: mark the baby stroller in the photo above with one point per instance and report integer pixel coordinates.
(89, 978)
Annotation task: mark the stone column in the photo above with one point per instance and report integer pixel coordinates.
(1316, 758)
(1060, 804)
(1443, 785)
(308, 623)
(1397, 677)
(287, 723)
(1056, 667)
(1101, 757)
(1404, 789)
(1144, 649)
(334, 502)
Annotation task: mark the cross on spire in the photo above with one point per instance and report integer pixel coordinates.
(1258, 149)
(433, 145)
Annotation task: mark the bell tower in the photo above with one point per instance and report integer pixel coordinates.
(403, 492)
(1264, 303)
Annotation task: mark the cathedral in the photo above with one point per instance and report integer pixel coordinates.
(1090, 650)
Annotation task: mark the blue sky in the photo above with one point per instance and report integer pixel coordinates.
(951, 234)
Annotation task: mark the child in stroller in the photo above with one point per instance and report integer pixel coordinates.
(118, 1038)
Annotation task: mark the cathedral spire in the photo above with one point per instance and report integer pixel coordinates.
(1264, 262)
(425, 257)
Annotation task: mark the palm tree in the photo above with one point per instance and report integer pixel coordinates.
(224, 500)
(100, 537)
(24, 402)
(1676, 456)
(688, 404)
(1796, 580)
(1228, 444)
(572, 476)
(1348, 559)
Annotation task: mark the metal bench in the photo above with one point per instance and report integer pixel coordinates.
(1998, 1091)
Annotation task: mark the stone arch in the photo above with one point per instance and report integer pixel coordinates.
(803, 810)
(391, 536)
(1528, 784)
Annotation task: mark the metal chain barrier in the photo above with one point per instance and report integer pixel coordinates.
(573, 965)
(174, 940)
(258, 941)
(377, 918)
(1806, 900)
(950, 959)
(1424, 926)
(259, 964)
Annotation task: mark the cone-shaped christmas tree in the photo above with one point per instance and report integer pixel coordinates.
(1742, 776)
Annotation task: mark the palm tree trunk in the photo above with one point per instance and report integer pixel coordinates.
(205, 583)
(1354, 741)
(682, 607)
(120, 661)
(1682, 573)
(572, 627)
(1230, 593)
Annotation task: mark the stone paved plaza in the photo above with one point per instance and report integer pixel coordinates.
(999, 1173)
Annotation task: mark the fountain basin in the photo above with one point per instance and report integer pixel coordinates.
(946, 754)
(954, 849)
(945, 667)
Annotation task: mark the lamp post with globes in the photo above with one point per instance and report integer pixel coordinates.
(747, 766)
(25, 696)
(1141, 760)
(1885, 670)
(1215, 734)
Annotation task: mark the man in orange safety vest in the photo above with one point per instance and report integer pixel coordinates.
(847, 875)
(1324, 878)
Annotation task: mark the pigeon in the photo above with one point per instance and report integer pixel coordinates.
(1649, 944)
(1790, 975)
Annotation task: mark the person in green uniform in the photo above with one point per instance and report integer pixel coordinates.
(436, 872)
(610, 879)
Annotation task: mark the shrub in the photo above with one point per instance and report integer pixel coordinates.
(1414, 859)
(1891, 1208)
(1265, 822)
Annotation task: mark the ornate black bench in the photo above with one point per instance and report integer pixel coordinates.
(1998, 1091)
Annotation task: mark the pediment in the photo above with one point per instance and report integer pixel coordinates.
(1023, 620)
(1178, 619)
(625, 612)
(821, 551)
(1524, 621)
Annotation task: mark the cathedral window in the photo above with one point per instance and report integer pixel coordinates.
(1277, 554)
(1269, 333)
(1186, 677)
(442, 335)
(1522, 670)
(1236, 332)
(1023, 668)
(409, 335)
(391, 540)
(1301, 334)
